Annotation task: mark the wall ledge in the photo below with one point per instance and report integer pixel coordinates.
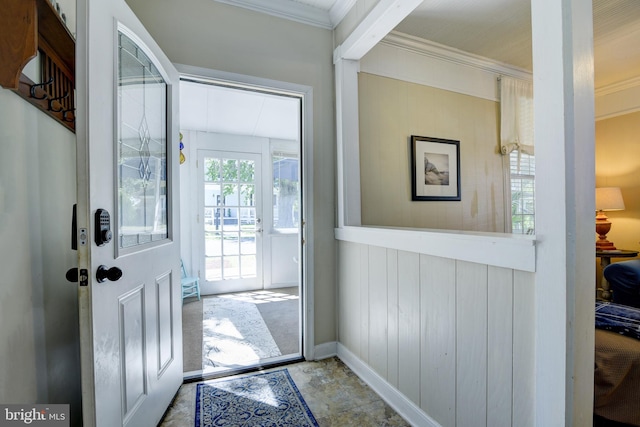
(513, 251)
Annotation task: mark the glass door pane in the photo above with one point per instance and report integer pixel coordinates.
(232, 223)
(141, 148)
(286, 192)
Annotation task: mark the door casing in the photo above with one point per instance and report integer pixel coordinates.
(305, 93)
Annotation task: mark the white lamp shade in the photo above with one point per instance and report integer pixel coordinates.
(609, 199)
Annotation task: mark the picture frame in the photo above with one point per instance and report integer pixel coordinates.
(435, 169)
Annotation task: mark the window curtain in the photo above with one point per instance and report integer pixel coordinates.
(516, 131)
(516, 116)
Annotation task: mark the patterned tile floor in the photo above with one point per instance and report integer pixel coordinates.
(335, 395)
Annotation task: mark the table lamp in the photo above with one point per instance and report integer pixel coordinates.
(607, 199)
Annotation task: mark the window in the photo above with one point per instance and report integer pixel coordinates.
(286, 192)
(522, 174)
(516, 141)
(141, 147)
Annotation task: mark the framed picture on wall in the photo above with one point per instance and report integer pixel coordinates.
(435, 169)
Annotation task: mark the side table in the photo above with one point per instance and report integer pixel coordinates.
(605, 259)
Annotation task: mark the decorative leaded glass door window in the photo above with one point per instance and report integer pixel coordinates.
(141, 148)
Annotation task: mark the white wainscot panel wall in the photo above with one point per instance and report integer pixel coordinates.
(446, 342)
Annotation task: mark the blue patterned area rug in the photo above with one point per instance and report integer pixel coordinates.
(260, 400)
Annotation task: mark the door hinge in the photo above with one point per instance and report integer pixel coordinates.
(197, 218)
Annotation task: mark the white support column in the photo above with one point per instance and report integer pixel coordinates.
(384, 17)
(565, 182)
(347, 124)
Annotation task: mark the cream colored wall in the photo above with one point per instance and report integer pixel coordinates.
(21, 335)
(390, 112)
(618, 165)
(39, 344)
(208, 34)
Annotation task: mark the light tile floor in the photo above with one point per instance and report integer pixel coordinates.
(335, 395)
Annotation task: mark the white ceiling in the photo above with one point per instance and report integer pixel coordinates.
(220, 109)
(496, 29)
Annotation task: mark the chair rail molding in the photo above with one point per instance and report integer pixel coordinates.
(513, 251)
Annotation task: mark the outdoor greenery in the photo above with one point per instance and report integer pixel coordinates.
(230, 172)
(522, 212)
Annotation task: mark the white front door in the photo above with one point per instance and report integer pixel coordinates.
(128, 243)
(231, 230)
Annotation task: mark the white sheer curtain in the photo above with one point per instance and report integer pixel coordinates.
(516, 133)
(516, 116)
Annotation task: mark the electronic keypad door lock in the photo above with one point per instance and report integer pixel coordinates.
(102, 230)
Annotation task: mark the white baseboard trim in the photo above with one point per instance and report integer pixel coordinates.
(325, 350)
(399, 402)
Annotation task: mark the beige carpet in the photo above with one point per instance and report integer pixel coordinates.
(279, 309)
(234, 334)
(192, 334)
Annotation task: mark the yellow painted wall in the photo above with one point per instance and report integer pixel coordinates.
(393, 110)
(618, 165)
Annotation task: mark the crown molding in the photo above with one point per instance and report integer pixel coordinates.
(298, 12)
(618, 87)
(450, 54)
(339, 10)
(447, 53)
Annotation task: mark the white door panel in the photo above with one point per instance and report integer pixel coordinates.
(127, 131)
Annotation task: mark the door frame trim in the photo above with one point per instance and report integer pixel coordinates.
(306, 95)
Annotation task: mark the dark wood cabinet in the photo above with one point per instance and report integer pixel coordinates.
(29, 27)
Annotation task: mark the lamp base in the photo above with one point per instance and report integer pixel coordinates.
(605, 245)
(602, 228)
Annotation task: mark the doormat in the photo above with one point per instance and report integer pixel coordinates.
(265, 399)
(234, 334)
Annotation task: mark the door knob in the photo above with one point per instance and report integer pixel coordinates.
(104, 273)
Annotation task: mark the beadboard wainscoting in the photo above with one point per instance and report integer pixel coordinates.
(447, 342)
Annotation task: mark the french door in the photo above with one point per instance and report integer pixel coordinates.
(231, 222)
